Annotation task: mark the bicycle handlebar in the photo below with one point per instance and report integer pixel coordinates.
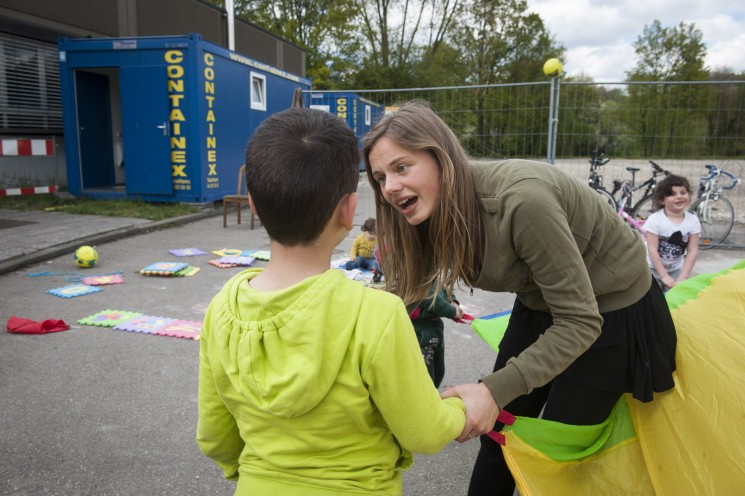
(716, 171)
(735, 180)
(598, 159)
(658, 169)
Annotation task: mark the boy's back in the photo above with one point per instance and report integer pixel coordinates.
(317, 378)
(311, 383)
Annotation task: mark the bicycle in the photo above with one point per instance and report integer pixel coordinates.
(627, 192)
(714, 211)
(645, 206)
(595, 179)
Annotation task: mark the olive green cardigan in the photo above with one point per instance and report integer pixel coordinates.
(560, 248)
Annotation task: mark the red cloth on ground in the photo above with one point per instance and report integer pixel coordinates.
(27, 326)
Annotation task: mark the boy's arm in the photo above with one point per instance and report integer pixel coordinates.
(403, 391)
(218, 436)
(690, 258)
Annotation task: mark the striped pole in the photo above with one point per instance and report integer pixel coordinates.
(26, 147)
(27, 191)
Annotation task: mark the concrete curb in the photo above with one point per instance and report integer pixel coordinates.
(26, 259)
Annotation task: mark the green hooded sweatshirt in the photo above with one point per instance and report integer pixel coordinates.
(319, 388)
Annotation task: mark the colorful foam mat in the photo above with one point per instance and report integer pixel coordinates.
(73, 290)
(122, 320)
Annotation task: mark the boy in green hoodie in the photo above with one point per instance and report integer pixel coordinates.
(310, 383)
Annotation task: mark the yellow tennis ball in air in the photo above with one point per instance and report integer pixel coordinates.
(553, 68)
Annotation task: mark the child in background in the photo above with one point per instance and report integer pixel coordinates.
(430, 331)
(672, 233)
(300, 376)
(363, 249)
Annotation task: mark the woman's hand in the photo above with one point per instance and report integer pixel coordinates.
(481, 409)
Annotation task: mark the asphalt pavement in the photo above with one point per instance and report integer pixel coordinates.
(94, 411)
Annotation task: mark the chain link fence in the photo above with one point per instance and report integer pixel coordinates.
(680, 125)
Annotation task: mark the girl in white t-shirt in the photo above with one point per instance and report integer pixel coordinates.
(672, 233)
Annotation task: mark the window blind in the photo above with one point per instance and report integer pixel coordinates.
(30, 97)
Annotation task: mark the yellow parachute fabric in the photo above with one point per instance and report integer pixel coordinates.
(693, 437)
(549, 458)
(688, 441)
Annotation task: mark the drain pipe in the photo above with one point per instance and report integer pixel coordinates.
(231, 24)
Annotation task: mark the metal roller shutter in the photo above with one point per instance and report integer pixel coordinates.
(29, 86)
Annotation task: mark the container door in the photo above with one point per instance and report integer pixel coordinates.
(94, 130)
(145, 130)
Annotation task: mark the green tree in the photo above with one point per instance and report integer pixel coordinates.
(665, 122)
(670, 54)
(320, 27)
(726, 119)
(396, 36)
(502, 41)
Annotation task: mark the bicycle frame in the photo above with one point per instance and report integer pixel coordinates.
(627, 190)
(714, 211)
(595, 179)
(597, 160)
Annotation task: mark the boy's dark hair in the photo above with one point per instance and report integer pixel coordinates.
(368, 226)
(665, 188)
(299, 164)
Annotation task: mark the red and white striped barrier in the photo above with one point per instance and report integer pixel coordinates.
(27, 191)
(26, 147)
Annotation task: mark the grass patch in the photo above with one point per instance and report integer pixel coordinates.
(111, 208)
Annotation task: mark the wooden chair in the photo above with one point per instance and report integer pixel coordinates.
(239, 199)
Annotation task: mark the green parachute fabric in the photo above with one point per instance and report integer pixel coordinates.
(688, 441)
(491, 328)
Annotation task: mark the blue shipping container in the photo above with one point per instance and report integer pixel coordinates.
(163, 118)
(360, 113)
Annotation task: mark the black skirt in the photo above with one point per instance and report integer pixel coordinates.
(634, 353)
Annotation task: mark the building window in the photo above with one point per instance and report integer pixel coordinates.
(30, 97)
(258, 91)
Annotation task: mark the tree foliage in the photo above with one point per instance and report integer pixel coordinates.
(670, 54)
(502, 41)
(398, 36)
(320, 27)
(418, 44)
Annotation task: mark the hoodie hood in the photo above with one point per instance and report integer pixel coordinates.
(284, 349)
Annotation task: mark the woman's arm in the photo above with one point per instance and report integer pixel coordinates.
(543, 240)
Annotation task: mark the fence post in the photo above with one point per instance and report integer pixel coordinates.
(553, 119)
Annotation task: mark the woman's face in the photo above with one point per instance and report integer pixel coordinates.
(409, 179)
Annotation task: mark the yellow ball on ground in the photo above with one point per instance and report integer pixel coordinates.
(85, 257)
(553, 68)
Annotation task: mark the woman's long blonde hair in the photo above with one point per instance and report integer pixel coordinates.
(447, 247)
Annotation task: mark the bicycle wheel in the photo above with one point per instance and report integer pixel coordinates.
(643, 209)
(608, 198)
(717, 216)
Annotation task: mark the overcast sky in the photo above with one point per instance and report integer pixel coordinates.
(599, 34)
